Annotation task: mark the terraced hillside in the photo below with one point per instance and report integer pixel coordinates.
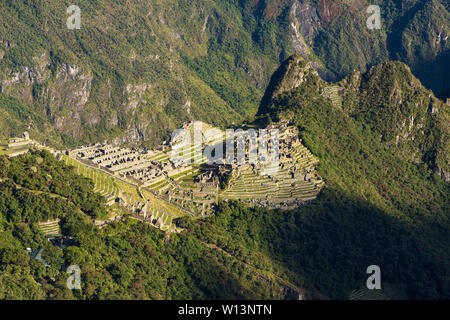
(104, 184)
(182, 190)
(332, 93)
(181, 176)
(160, 156)
(288, 184)
(159, 212)
(10, 148)
(50, 228)
(278, 185)
(181, 182)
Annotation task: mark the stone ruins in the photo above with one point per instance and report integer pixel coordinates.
(196, 186)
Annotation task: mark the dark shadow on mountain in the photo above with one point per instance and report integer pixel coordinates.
(216, 277)
(394, 37)
(434, 75)
(330, 242)
(275, 79)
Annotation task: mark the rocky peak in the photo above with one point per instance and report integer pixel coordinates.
(290, 75)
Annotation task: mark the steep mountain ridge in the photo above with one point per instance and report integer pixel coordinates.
(390, 100)
(387, 99)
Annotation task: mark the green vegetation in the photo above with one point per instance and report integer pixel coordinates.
(41, 186)
(381, 139)
(378, 207)
(141, 72)
(124, 260)
(50, 228)
(375, 191)
(16, 117)
(132, 63)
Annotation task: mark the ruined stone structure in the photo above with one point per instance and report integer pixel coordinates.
(285, 181)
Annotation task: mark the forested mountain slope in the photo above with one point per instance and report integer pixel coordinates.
(136, 70)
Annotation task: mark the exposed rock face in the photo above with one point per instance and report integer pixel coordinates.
(298, 42)
(305, 25)
(444, 174)
(135, 95)
(310, 22)
(20, 83)
(65, 97)
(71, 79)
(26, 76)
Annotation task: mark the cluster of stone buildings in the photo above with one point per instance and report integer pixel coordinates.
(283, 174)
(17, 142)
(20, 145)
(142, 167)
(286, 182)
(130, 163)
